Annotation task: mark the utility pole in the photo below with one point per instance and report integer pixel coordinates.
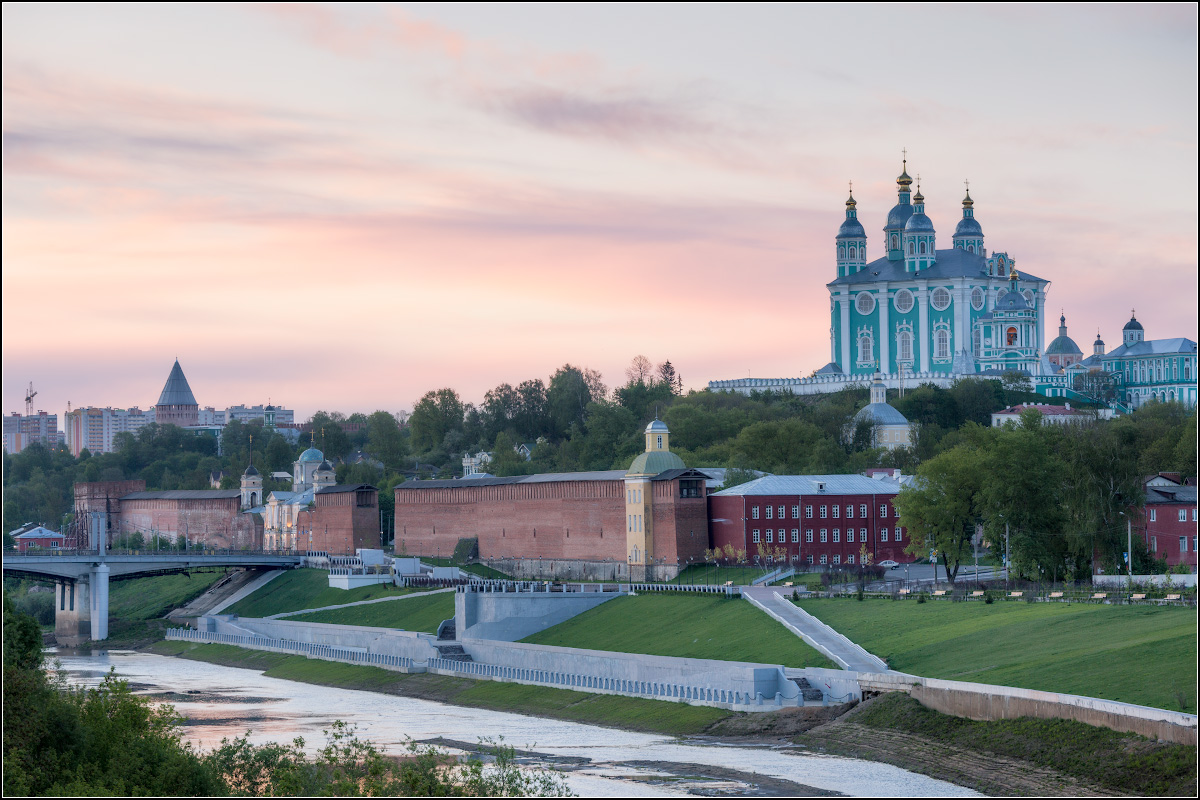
(1129, 545)
(1006, 564)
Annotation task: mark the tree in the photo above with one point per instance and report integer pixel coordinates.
(940, 509)
(1016, 381)
(1096, 385)
(434, 416)
(639, 370)
(567, 399)
(668, 377)
(328, 434)
(386, 440)
(505, 458)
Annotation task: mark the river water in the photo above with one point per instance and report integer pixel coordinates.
(226, 702)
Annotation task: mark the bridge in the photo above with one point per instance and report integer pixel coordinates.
(81, 579)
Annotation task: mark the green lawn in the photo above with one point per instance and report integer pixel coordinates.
(1135, 654)
(422, 614)
(155, 596)
(690, 626)
(298, 589)
(712, 574)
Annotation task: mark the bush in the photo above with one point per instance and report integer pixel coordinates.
(921, 598)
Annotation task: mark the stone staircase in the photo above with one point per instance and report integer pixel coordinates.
(808, 691)
(453, 652)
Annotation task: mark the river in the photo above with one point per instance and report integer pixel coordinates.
(597, 762)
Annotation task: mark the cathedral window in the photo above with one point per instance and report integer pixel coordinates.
(895, 242)
(910, 248)
(970, 248)
(1010, 337)
(866, 349)
(941, 343)
(977, 299)
(853, 251)
(976, 343)
(1028, 295)
(941, 299)
(904, 346)
(904, 301)
(841, 252)
(921, 248)
(864, 302)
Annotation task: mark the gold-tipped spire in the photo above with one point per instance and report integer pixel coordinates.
(851, 203)
(967, 201)
(904, 181)
(918, 197)
(1012, 272)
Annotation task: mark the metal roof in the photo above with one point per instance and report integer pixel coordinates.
(39, 533)
(952, 263)
(807, 484)
(349, 487)
(1152, 347)
(881, 413)
(185, 494)
(176, 392)
(1171, 494)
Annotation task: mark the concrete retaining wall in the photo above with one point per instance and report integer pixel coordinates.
(342, 579)
(409, 644)
(509, 616)
(986, 702)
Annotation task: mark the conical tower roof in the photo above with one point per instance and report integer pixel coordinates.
(176, 392)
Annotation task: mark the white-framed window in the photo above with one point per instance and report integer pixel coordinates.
(862, 511)
(853, 251)
(808, 536)
(795, 512)
(824, 558)
(895, 246)
(910, 248)
(795, 536)
(941, 343)
(841, 251)
(808, 512)
(770, 536)
(883, 535)
(850, 558)
(1182, 544)
(837, 512)
(862, 535)
(864, 302)
(781, 513)
(810, 558)
(940, 299)
(837, 559)
(850, 535)
(904, 348)
(977, 299)
(899, 532)
(883, 510)
(1183, 515)
(970, 248)
(977, 342)
(837, 535)
(849, 512)
(824, 535)
(866, 348)
(1153, 515)
(1153, 544)
(756, 536)
(903, 301)
(1193, 515)
(1028, 295)
(754, 512)
(824, 512)
(770, 512)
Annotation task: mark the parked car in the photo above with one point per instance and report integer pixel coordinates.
(887, 562)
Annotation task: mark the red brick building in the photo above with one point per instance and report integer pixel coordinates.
(812, 519)
(213, 518)
(648, 520)
(343, 519)
(1169, 523)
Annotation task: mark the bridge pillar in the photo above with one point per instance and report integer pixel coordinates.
(72, 612)
(99, 601)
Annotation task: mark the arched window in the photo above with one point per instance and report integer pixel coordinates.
(910, 248)
(895, 242)
(970, 248)
(1010, 337)
(977, 299)
(977, 342)
(904, 346)
(941, 343)
(853, 251)
(922, 248)
(866, 349)
(841, 252)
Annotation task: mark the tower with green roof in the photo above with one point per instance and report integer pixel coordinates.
(639, 495)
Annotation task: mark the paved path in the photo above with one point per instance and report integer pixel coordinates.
(833, 645)
(245, 591)
(360, 603)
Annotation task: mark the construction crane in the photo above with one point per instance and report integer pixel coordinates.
(29, 395)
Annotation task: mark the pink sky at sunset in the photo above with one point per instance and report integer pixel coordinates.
(343, 207)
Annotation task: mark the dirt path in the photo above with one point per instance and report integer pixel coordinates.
(989, 774)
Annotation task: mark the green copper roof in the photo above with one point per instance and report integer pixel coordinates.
(655, 462)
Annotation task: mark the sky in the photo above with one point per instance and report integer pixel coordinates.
(344, 207)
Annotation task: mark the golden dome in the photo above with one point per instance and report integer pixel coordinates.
(967, 201)
(904, 181)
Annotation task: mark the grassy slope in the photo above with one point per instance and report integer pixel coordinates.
(148, 598)
(691, 626)
(299, 589)
(422, 614)
(1092, 650)
(625, 712)
(1121, 761)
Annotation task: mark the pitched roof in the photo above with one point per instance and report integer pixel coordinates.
(808, 484)
(1171, 494)
(185, 494)
(1152, 347)
(39, 533)
(176, 392)
(952, 263)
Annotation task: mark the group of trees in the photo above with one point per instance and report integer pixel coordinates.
(1062, 496)
(66, 741)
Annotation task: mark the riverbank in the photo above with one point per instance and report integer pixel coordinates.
(1007, 758)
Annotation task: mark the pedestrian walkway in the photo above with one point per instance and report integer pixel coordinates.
(360, 603)
(245, 591)
(833, 645)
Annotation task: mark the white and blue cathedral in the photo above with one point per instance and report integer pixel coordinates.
(920, 314)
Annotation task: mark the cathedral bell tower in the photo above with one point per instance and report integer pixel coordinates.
(851, 241)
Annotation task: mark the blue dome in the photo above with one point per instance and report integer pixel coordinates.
(1132, 325)
(1013, 301)
(919, 223)
(968, 226)
(1063, 346)
(312, 454)
(657, 426)
(898, 216)
(851, 229)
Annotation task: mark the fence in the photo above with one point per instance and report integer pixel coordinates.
(1091, 594)
(706, 588)
(653, 690)
(774, 575)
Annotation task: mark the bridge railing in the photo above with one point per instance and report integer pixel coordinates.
(190, 553)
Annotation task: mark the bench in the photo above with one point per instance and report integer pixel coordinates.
(903, 591)
(729, 583)
(940, 593)
(1099, 595)
(1137, 597)
(1172, 597)
(789, 583)
(1055, 595)
(1015, 594)
(977, 593)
